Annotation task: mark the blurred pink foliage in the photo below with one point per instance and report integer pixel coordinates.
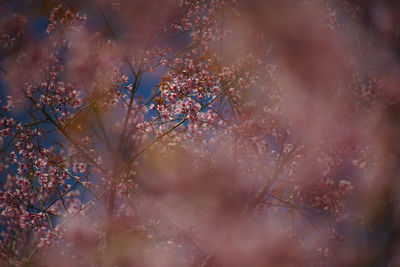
(200, 133)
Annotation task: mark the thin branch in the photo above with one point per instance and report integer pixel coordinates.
(117, 41)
